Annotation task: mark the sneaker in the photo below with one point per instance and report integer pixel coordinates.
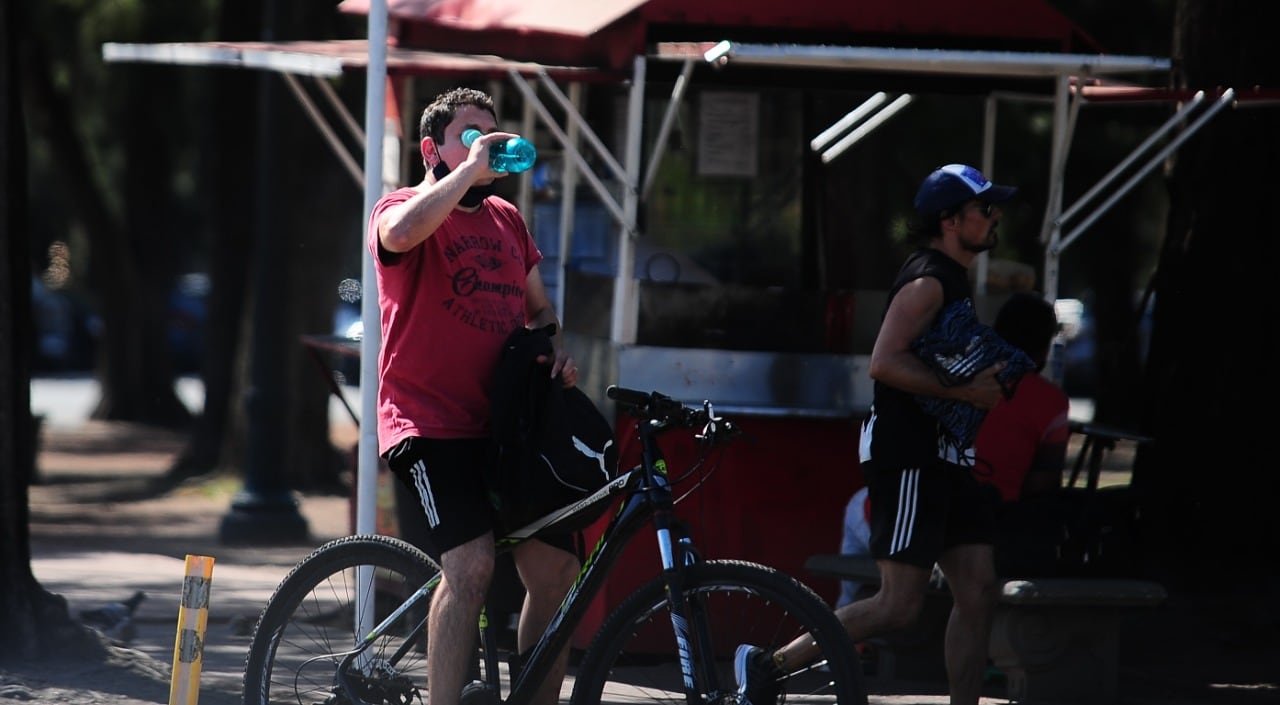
(759, 680)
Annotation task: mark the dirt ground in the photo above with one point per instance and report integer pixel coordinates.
(77, 471)
(127, 677)
(96, 489)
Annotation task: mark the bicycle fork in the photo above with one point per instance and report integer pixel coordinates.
(688, 619)
(364, 663)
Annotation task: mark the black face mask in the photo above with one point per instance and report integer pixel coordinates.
(474, 195)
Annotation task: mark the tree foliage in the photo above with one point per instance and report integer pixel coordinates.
(145, 171)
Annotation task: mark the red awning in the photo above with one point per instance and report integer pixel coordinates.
(575, 18)
(604, 33)
(610, 32)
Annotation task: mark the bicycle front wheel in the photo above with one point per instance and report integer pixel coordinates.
(310, 624)
(633, 657)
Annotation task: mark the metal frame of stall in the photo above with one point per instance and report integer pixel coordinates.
(289, 61)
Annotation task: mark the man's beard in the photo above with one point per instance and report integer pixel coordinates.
(988, 244)
(474, 195)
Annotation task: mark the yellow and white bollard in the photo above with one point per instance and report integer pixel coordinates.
(193, 616)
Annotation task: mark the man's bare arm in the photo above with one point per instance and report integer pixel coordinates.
(409, 224)
(894, 363)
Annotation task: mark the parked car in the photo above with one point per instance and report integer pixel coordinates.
(66, 330)
(185, 321)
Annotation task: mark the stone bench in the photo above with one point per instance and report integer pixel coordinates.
(1056, 639)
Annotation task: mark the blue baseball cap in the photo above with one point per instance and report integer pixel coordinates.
(951, 185)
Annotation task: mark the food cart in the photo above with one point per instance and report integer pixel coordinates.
(697, 227)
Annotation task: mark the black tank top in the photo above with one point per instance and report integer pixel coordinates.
(898, 433)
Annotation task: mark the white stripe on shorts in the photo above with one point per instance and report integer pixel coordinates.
(425, 496)
(905, 522)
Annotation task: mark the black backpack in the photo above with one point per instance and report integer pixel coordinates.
(554, 446)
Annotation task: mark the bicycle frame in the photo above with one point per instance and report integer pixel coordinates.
(648, 496)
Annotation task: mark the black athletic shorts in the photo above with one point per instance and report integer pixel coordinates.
(917, 513)
(445, 477)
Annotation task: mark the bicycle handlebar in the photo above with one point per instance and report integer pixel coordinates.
(656, 406)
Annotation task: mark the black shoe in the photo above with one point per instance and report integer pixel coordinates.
(759, 679)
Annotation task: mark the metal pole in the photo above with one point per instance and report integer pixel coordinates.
(606, 198)
(1049, 234)
(375, 106)
(374, 115)
(1177, 117)
(265, 509)
(846, 123)
(568, 203)
(1222, 102)
(865, 128)
(664, 130)
(626, 299)
(982, 265)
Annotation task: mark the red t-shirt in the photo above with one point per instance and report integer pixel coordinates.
(1014, 428)
(447, 306)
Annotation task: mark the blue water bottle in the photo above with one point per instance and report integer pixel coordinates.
(515, 155)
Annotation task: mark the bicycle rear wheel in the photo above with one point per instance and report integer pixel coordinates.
(633, 657)
(309, 625)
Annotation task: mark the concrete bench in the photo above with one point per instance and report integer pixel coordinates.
(1056, 639)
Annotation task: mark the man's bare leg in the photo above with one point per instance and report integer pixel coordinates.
(895, 605)
(971, 577)
(547, 573)
(454, 617)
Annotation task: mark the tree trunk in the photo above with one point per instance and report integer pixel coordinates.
(305, 212)
(1208, 484)
(315, 213)
(217, 441)
(32, 620)
(135, 371)
(321, 235)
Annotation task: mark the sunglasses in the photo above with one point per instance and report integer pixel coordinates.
(986, 209)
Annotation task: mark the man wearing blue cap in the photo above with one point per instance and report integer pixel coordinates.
(926, 505)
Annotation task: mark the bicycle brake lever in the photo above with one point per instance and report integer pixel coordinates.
(707, 436)
(717, 429)
(726, 431)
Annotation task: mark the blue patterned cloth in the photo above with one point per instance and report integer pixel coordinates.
(957, 347)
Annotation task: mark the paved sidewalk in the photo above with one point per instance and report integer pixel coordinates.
(98, 535)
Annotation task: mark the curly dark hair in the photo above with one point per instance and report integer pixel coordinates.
(923, 228)
(442, 110)
(1029, 322)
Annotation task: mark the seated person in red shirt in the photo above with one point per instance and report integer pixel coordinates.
(1023, 439)
(1021, 445)
(1023, 442)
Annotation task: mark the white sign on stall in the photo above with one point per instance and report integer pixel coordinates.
(728, 134)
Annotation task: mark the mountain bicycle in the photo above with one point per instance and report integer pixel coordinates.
(347, 624)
